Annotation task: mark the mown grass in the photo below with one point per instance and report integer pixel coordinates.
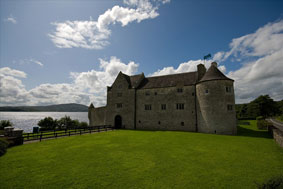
(145, 159)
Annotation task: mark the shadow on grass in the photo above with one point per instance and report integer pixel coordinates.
(252, 133)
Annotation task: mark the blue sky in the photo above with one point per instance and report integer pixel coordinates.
(68, 51)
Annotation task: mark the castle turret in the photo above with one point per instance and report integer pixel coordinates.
(216, 103)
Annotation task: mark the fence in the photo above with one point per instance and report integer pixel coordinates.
(61, 133)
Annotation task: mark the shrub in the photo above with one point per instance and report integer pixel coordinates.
(261, 123)
(5, 123)
(83, 124)
(3, 146)
(273, 183)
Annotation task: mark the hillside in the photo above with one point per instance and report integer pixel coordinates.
(72, 107)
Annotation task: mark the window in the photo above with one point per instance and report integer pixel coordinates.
(159, 122)
(147, 107)
(206, 91)
(119, 94)
(228, 89)
(229, 107)
(155, 93)
(119, 105)
(179, 90)
(193, 94)
(163, 106)
(147, 93)
(182, 123)
(180, 106)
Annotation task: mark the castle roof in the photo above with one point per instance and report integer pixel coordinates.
(173, 80)
(213, 73)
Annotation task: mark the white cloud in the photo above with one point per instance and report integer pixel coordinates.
(11, 19)
(189, 66)
(95, 34)
(86, 86)
(6, 71)
(36, 62)
(261, 54)
(28, 61)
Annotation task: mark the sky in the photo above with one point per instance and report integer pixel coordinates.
(54, 52)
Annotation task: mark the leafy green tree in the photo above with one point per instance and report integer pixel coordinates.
(266, 106)
(48, 123)
(5, 123)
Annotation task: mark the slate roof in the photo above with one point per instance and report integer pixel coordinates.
(214, 74)
(173, 80)
(185, 79)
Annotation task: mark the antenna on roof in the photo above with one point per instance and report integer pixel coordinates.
(206, 57)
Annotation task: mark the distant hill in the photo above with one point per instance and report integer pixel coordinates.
(51, 108)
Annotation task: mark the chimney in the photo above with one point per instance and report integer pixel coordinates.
(201, 71)
(214, 64)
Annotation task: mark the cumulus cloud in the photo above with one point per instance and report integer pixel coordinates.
(261, 54)
(86, 87)
(95, 34)
(189, 66)
(11, 19)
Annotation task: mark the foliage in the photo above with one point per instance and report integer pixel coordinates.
(3, 146)
(66, 122)
(48, 123)
(145, 159)
(5, 123)
(261, 123)
(273, 183)
(261, 106)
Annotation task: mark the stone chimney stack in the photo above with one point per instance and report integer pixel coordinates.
(214, 64)
(201, 71)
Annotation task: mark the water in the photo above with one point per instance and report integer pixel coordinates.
(27, 120)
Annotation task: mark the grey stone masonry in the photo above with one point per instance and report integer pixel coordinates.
(201, 101)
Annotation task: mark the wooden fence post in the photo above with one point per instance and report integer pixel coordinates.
(40, 137)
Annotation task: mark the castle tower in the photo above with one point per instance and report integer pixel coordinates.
(216, 103)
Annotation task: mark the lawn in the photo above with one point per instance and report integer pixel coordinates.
(145, 159)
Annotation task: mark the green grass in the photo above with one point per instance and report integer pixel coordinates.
(145, 159)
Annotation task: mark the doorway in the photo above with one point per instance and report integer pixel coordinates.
(118, 122)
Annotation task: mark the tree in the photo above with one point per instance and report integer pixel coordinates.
(48, 123)
(266, 106)
(5, 123)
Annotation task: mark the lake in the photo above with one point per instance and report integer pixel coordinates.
(27, 120)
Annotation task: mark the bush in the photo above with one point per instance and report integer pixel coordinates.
(261, 123)
(3, 146)
(5, 123)
(273, 183)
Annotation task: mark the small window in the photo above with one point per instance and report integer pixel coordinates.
(155, 93)
(206, 91)
(119, 105)
(158, 122)
(179, 90)
(180, 106)
(147, 93)
(193, 94)
(228, 89)
(147, 107)
(119, 94)
(139, 121)
(229, 107)
(182, 123)
(163, 106)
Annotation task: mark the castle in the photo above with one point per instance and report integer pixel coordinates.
(201, 101)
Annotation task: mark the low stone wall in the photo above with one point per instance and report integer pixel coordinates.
(278, 136)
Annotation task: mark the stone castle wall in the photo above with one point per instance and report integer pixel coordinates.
(121, 94)
(212, 101)
(170, 118)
